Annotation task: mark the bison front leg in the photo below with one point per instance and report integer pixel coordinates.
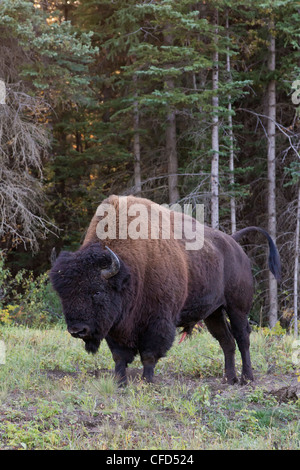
(154, 344)
(122, 357)
(120, 369)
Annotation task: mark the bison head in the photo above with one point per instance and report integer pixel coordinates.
(91, 284)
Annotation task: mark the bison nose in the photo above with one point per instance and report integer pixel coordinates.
(79, 331)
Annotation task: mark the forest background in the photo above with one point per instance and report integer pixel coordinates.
(176, 101)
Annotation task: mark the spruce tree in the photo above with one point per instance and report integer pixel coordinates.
(43, 66)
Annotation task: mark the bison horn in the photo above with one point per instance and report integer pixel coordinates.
(114, 267)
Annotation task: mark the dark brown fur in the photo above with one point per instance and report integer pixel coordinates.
(160, 286)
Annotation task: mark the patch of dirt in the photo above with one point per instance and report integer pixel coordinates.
(283, 387)
(57, 374)
(92, 423)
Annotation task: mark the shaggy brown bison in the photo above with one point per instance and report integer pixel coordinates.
(135, 292)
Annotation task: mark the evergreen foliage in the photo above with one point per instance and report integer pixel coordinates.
(113, 97)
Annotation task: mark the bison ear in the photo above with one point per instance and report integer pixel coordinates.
(121, 282)
(63, 256)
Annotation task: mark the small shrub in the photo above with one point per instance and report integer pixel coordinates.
(26, 300)
(8, 313)
(277, 330)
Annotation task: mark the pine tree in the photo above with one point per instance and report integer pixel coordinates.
(215, 131)
(296, 266)
(273, 123)
(230, 134)
(271, 129)
(146, 43)
(42, 67)
(140, 115)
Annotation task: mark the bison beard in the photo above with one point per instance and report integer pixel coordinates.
(92, 344)
(134, 293)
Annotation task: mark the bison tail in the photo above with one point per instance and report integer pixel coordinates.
(274, 259)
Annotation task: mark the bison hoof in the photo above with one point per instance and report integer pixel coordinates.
(122, 384)
(122, 381)
(229, 380)
(148, 380)
(246, 380)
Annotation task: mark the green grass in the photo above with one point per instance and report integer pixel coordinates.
(53, 395)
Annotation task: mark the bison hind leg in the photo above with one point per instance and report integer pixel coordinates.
(149, 362)
(241, 331)
(219, 327)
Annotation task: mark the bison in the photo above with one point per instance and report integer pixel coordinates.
(135, 291)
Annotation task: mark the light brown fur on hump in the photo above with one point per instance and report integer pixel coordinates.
(152, 252)
(150, 260)
(152, 207)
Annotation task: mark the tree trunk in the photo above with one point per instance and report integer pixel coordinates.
(171, 151)
(171, 145)
(230, 133)
(296, 267)
(273, 312)
(136, 143)
(297, 254)
(215, 135)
